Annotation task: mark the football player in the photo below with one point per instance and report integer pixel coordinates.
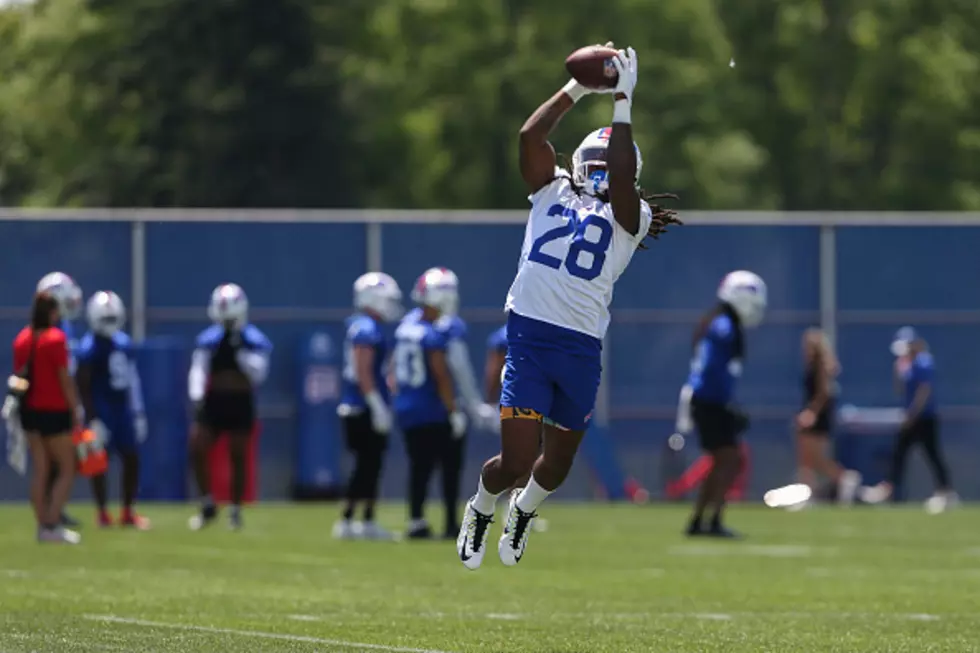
(68, 294)
(230, 360)
(581, 234)
(425, 399)
(112, 394)
(706, 400)
(364, 408)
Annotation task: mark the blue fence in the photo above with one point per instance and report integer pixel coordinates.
(298, 277)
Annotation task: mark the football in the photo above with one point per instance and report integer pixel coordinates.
(592, 66)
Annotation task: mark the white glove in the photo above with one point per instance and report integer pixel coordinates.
(100, 432)
(457, 421)
(576, 91)
(380, 413)
(626, 67)
(487, 417)
(141, 427)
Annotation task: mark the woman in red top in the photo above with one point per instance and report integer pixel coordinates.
(48, 413)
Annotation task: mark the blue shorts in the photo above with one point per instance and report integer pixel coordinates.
(550, 373)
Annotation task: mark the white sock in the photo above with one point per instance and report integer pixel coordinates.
(532, 496)
(484, 501)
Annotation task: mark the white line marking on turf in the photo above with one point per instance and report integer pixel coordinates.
(337, 643)
(14, 573)
(503, 616)
(303, 617)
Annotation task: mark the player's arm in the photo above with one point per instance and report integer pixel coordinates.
(443, 379)
(458, 358)
(254, 358)
(197, 378)
(621, 153)
(135, 390)
(537, 155)
(491, 374)
(922, 373)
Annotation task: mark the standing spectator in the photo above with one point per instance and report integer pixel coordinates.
(915, 379)
(49, 411)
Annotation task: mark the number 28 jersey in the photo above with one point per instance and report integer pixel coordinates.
(573, 253)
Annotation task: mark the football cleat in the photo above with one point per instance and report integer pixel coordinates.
(471, 544)
(58, 535)
(371, 530)
(202, 518)
(517, 528)
(345, 529)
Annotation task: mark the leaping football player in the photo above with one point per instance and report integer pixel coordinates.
(581, 234)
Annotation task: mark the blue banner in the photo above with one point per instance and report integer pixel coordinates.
(318, 442)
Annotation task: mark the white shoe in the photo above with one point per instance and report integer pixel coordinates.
(847, 487)
(877, 494)
(517, 528)
(371, 530)
(941, 502)
(345, 529)
(471, 544)
(59, 534)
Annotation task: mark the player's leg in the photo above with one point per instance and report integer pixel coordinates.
(201, 438)
(40, 476)
(719, 439)
(100, 494)
(124, 442)
(371, 449)
(238, 443)
(355, 429)
(884, 490)
(944, 496)
(422, 445)
(453, 451)
(65, 519)
(526, 395)
(61, 451)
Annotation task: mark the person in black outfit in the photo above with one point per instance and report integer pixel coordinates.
(230, 360)
(815, 421)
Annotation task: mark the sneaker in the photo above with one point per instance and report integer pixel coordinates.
(941, 502)
(58, 535)
(345, 529)
(133, 520)
(471, 543)
(419, 530)
(876, 494)
(517, 528)
(104, 519)
(203, 518)
(722, 532)
(235, 522)
(848, 486)
(371, 530)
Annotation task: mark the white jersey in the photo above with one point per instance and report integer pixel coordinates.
(574, 250)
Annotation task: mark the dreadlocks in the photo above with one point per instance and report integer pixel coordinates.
(662, 217)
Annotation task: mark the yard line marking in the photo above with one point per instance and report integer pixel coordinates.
(764, 550)
(504, 616)
(303, 617)
(337, 643)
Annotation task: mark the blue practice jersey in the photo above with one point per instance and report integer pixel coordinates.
(715, 369)
(250, 353)
(922, 370)
(116, 392)
(417, 400)
(363, 330)
(498, 340)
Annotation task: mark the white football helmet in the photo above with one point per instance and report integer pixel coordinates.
(745, 292)
(229, 305)
(589, 162)
(438, 288)
(65, 291)
(378, 292)
(106, 313)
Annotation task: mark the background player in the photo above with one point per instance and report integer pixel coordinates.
(364, 410)
(582, 232)
(915, 379)
(719, 349)
(112, 395)
(230, 360)
(425, 400)
(68, 294)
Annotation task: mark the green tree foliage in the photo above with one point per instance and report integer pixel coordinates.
(839, 104)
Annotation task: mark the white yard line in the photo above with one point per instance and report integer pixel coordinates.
(337, 643)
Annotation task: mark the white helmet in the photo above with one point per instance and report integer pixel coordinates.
(438, 288)
(65, 291)
(589, 162)
(229, 304)
(745, 292)
(378, 292)
(106, 313)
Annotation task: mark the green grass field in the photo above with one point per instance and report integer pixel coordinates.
(603, 579)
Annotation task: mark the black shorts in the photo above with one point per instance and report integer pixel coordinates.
(428, 440)
(46, 422)
(922, 430)
(824, 423)
(718, 425)
(360, 436)
(227, 413)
